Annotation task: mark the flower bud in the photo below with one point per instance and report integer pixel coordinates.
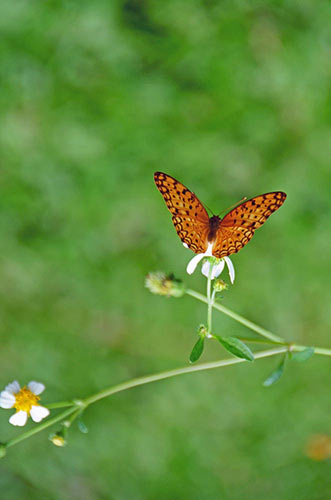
(58, 438)
(202, 331)
(162, 284)
(220, 285)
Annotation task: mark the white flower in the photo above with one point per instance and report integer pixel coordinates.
(25, 401)
(217, 267)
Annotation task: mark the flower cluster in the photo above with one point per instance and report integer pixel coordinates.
(163, 284)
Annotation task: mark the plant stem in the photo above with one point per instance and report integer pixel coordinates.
(61, 404)
(249, 324)
(72, 417)
(179, 371)
(81, 404)
(209, 299)
(323, 351)
(134, 383)
(261, 341)
(273, 339)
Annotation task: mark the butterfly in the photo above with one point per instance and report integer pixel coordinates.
(224, 236)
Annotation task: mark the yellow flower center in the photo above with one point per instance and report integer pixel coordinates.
(25, 399)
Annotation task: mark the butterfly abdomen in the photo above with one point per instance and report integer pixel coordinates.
(214, 224)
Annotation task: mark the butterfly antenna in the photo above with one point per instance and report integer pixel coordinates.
(232, 206)
(207, 208)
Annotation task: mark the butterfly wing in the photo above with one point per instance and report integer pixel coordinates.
(238, 226)
(189, 216)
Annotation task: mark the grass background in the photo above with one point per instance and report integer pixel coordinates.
(232, 98)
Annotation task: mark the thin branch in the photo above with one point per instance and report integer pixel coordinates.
(252, 326)
(179, 371)
(323, 351)
(79, 405)
(60, 404)
(209, 300)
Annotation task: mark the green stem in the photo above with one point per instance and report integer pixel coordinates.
(179, 371)
(261, 341)
(61, 404)
(273, 339)
(67, 423)
(134, 383)
(209, 299)
(256, 328)
(323, 351)
(77, 407)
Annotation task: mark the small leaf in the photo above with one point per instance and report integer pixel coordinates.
(276, 374)
(82, 427)
(197, 350)
(236, 347)
(303, 355)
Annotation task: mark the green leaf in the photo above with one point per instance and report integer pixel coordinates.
(303, 355)
(276, 374)
(236, 347)
(197, 350)
(82, 427)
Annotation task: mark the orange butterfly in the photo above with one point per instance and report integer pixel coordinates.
(213, 235)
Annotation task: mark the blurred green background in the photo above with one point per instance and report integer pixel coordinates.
(233, 99)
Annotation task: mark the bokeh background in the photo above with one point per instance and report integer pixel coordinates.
(233, 99)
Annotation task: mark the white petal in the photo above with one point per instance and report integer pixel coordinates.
(36, 387)
(7, 399)
(13, 387)
(185, 245)
(194, 262)
(205, 268)
(38, 413)
(191, 266)
(19, 418)
(230, 268)
(217, 269)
